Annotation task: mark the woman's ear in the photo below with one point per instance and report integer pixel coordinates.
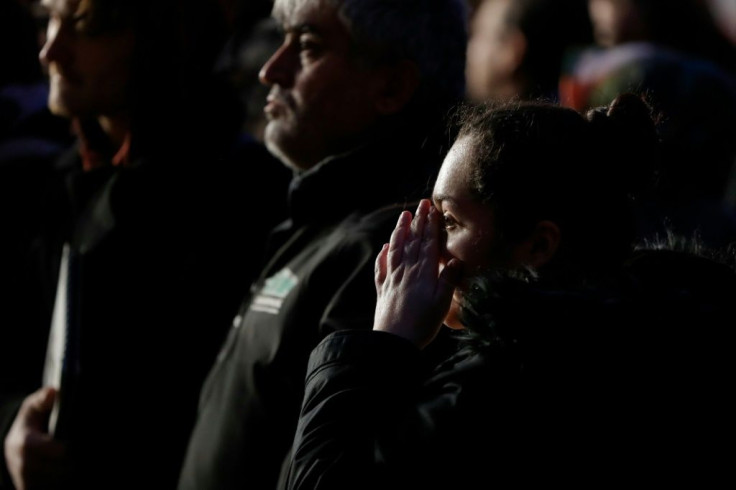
(400, 82)
(540, 246)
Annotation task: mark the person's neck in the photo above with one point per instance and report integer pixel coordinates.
(116, 128)
(104, 141)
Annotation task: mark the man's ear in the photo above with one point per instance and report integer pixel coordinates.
(540, 246)
(399, 84)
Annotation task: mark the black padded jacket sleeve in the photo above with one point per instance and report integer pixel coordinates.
(351, 379)
(375, 416)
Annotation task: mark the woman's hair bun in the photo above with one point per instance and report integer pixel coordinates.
(625, 134)
(631, 111)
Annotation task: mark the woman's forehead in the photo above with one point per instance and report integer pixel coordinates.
(453, 180)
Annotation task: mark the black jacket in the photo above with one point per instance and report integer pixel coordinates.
(165, 246)
(582, 388)
(319, 280)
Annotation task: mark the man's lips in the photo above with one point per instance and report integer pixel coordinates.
(274, 107)
(64, 78)
(277, 104)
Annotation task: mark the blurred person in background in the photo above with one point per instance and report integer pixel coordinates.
(146, 243)
(686, 26)
(31, 138)
(675, 54)
(517, 48)
(724, 13)
(28, 131)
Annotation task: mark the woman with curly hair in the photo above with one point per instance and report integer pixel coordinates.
(576, 369)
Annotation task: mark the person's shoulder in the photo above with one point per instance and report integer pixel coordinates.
(386, 215)
(682, 304)
(360, 233)
(368, 230)
(353, 242)
(704, 277)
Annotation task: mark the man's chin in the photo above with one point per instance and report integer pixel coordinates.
(58, 108)
(272, 138)
(275, 145)
(64, 104)
(290, 147)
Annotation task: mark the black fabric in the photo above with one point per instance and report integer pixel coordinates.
(580, 388)
(319, 280)
(167, 247)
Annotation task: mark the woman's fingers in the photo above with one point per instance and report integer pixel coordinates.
(413, 244)
(431, 236)
(398, 237)
(420, 218)
(380, 270)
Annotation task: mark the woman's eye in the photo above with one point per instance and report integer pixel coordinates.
(448, 222)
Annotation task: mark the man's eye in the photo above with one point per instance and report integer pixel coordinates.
(308, 46)
(80, 22)
(448, 222)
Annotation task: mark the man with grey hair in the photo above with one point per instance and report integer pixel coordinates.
(359, 91)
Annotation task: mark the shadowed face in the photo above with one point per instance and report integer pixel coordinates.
(615, 21)
(469, 223)
(89, 74)
(491, 60)
(321, 100)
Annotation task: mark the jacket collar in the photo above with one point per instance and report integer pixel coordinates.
(395, 167)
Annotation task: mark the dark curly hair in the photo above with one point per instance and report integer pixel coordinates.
(534, 161)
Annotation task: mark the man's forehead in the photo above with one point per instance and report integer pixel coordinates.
(296, 12)
(63, 6)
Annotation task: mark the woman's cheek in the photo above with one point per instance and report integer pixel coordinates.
(452, 319)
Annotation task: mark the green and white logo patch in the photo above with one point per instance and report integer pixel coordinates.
(276, 288)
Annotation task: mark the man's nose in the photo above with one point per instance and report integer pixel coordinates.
(280, 67)
(56, 48)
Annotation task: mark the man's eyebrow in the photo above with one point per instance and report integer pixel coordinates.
(302, 29)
